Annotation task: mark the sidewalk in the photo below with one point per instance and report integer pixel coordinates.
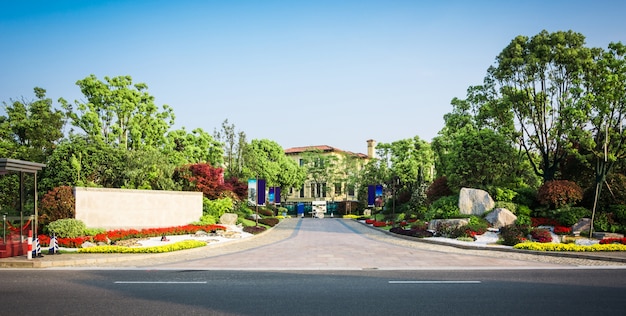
(285, 231)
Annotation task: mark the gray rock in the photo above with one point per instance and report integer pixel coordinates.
(584, 224)
(475, 201)
(228, 219)
(455, 222)
(500, 217)
(87, 244)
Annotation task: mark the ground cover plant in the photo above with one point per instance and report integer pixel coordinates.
(181, 245)
(122, 234)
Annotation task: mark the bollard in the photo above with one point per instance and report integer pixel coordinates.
(29, 255)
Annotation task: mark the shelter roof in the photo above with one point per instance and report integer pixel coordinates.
(7, 164)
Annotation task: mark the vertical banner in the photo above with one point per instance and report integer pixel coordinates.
(260, 183)
(371, 195)
(277, 195)
(270, 195)
(252, 191)
(379, 195)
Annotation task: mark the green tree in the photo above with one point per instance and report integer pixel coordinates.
(604, 107)
(322, 170)
(79, 161)
(198, 146)
(265, 159)
(31, 129)
(412, 160)
(481, 158)
(234, 146)
(539, 80)
(116, 112)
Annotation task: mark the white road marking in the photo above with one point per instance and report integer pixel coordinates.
(434, 282)
(159, 282)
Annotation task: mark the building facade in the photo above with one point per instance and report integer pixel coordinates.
(331, 173)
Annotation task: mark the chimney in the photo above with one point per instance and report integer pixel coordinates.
(371, 148)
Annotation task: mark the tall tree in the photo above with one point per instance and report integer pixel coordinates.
(265, 159)
(198, 146)
(605, 108)
(539, 78)
(234, 144)
(412, 160)
(118, 112)
(31, 129)
(322, 170)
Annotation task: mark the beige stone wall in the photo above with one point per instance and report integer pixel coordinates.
(126, 209)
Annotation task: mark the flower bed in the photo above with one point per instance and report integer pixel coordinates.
(181, 245)
(607, 241)
(122, 234)
(568, 247)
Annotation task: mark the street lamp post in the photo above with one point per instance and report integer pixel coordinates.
(395, 183)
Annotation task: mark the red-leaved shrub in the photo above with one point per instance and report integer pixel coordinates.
(57, 204)
(438, 189)
(557, 193)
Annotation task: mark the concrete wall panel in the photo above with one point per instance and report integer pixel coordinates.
(126, 209)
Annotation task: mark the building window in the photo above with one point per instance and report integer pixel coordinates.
(351, 190)
(318, 190)
(302, 191)
(337, 188)
(301, 162)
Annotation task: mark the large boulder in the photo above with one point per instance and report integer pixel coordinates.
(435, 224)
(500, 217)
(475, 201)
(228, 219)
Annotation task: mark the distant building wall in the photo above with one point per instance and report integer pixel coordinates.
(125, 209)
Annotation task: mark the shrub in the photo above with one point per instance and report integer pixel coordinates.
(541, 235)
(507, 205)
(414, 232)
(522, 210)
(569, 216)
(620, 213)
(254, 229)
(57, 204)
(476, 226)
(512, 235)
(525, 196)
(269, 221)
(604, 222)
(523, 220)
(438, 189)
(502, 194)
(67, 228)
(265, 211)
(445, 207)
(558, 193)
(206, 219)
(217, 207)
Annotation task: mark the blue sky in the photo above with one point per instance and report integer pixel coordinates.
(296, 72)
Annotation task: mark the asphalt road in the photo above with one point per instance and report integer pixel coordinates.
(573, 291)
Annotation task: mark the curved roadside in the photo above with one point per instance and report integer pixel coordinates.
(497, 251)
(289, 228)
